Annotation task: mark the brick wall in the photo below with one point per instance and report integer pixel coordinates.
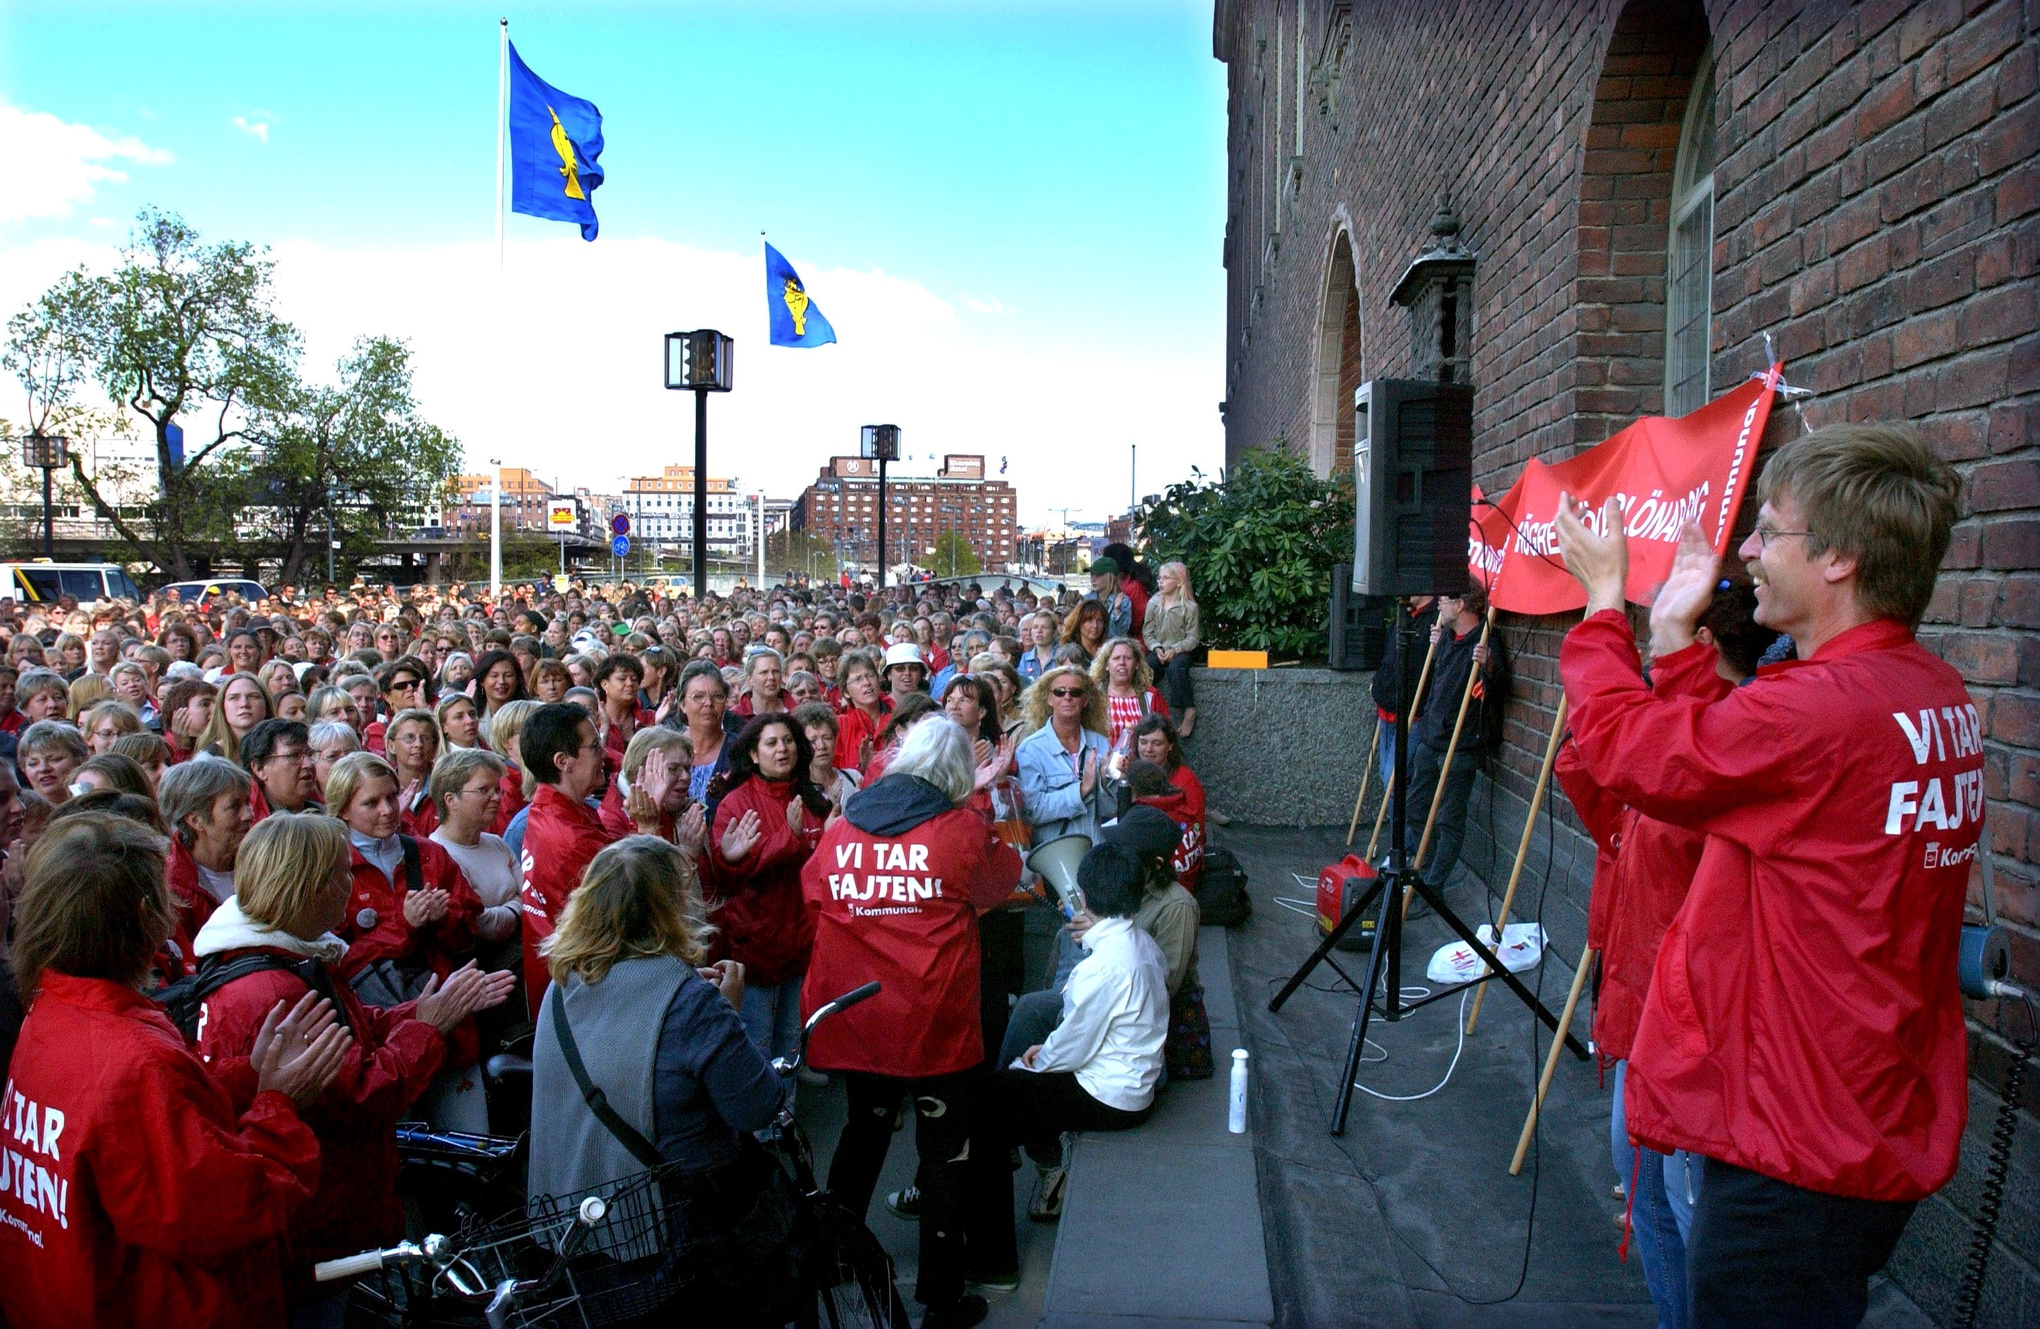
(1876, 210)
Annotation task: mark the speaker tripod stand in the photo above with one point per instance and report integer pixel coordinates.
(1390, 888)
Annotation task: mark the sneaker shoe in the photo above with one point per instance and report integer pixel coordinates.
(905, 1204)
(965, 1311)
(993, 1285)
(1045, 1206)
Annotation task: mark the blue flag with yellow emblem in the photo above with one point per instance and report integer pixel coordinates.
(796, 320)
(555, 140)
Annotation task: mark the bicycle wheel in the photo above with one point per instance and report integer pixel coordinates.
(855, 1288)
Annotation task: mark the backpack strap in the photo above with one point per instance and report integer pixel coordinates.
(598, 1102)
(214, 973)
(414, 871)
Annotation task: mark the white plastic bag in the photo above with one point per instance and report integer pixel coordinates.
(1455, 962)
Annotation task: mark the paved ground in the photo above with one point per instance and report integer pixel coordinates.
(1411, 1219)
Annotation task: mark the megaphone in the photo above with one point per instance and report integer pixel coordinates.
(1056, 863)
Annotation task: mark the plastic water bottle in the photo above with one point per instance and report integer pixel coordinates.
(1236, 1113)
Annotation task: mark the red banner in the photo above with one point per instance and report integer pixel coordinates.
(1667, 471)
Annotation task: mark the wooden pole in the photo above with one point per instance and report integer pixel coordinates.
(1523, 845)
(1572, 1001)
(1445, 769)
(1381, 813)
(1388, 789)
(1373, 746)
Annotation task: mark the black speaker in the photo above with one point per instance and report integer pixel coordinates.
(1413, 486)
(1359, 628)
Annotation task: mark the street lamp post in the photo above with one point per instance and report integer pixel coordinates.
(882, 444)
(700, 362)
(496, 532)
(47, 451)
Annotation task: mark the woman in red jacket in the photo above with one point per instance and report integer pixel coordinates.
(768, 815)
(865, 707)
(411, 916)
(144, 1189)
(1155, 739)
(293, 888)
(897, 884)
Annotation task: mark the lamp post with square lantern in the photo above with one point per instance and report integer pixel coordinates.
(700, 362)
(49, 452)
(882, 444)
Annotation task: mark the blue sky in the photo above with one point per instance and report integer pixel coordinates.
(1054, 173)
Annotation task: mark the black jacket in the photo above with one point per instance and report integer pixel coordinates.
(1449, 671)
(1388, 678)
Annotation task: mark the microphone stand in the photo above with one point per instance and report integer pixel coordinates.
(1390, 886)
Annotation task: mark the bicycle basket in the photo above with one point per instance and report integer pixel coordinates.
(627, 1267)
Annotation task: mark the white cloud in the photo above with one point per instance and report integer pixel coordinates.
(256, 129)
(990, 305)
(55, 165)
(555, 364)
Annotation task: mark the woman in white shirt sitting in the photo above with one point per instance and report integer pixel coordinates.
(1096, 1072)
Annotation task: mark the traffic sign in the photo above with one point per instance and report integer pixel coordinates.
(620, 524)
(561, 515)
(620, 546)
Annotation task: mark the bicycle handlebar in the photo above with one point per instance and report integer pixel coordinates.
(353, 1266)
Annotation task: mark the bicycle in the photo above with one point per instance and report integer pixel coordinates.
(612, 1257)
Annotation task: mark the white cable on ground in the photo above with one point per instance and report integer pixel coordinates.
(1411, 1098)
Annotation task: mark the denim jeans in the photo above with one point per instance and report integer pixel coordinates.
(1386, 751)
(1660, 1237)
(772, 1016)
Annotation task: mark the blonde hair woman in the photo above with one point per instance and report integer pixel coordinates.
(292, 890)
(1063, 754)
(243, 704)
(1170, 630)
(629, 943)
(1121, 673)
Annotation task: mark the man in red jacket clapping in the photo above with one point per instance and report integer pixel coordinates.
(1803, 1030)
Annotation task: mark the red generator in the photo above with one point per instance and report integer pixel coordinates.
(1340, 888)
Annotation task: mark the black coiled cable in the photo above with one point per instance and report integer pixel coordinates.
(1970, 1299)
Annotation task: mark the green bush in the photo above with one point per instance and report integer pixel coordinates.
(1260, 543)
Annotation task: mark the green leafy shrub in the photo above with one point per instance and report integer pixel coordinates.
(1260, 543)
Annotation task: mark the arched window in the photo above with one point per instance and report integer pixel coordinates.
(1689, 287)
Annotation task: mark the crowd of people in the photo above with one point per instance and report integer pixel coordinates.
(279, 876)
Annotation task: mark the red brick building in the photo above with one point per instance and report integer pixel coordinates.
(841, 507)
(1649, 189)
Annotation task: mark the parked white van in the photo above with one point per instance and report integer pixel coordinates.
(40, 582)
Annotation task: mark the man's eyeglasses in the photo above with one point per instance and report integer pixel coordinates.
(1066, 692)
(1765, 535)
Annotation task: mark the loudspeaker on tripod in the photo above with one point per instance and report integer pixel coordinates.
(1413, 486)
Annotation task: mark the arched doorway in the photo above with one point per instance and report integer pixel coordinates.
(1626, 220)
(1337, 365)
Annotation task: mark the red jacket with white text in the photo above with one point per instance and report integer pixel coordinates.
(896, 887)
(561, 835)
(1803, 1019)
(135, 1187)
(1642, 870)
(757, 903)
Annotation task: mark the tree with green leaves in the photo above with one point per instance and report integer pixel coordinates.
(953, 556)
(1260, 544)
(800, 551)
(179, 328)
(355, 453)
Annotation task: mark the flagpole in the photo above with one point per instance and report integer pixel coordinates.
(502, 123)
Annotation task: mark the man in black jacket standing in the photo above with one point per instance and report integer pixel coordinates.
(1419, 615)
(1461, 653)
